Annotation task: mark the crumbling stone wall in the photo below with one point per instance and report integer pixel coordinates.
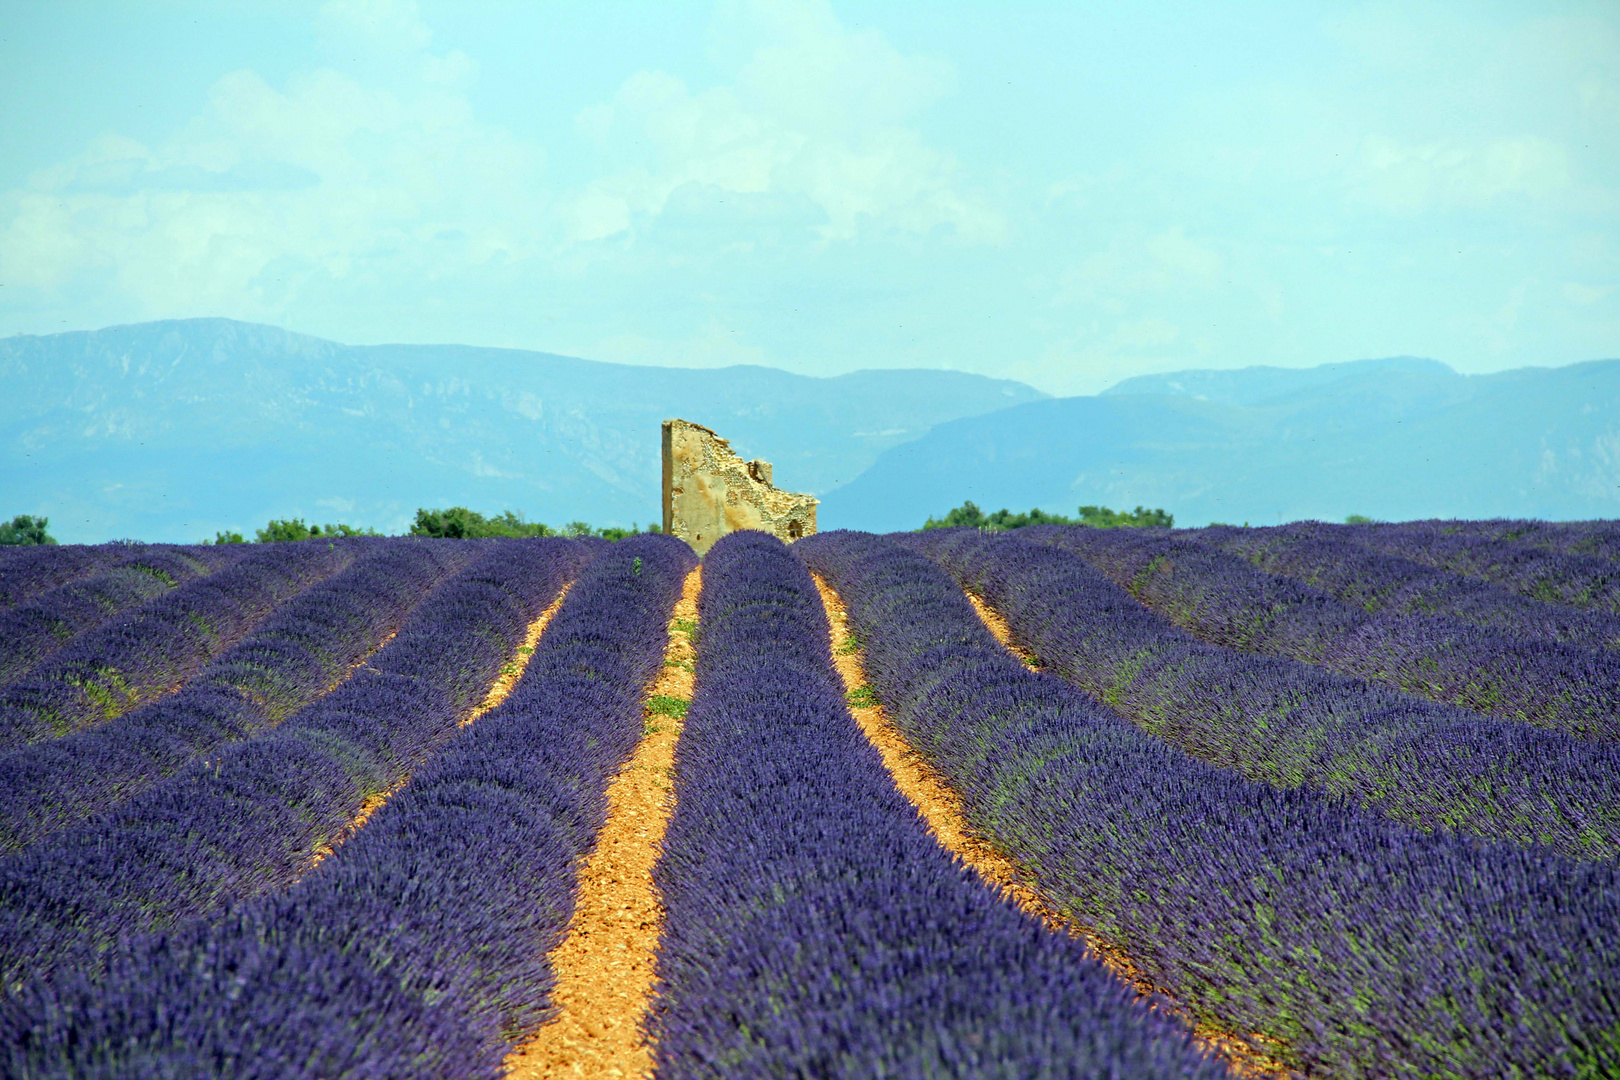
(710, 491)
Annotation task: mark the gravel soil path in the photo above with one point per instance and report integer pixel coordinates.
(605, 964)
(941, 807)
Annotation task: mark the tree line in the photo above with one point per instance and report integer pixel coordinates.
(456, 523)
(25, 530)
(460, 523)
(1100, 517)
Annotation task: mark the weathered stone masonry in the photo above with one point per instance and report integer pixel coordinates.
(710, 491)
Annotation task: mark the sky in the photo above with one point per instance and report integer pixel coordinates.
(1067, 194)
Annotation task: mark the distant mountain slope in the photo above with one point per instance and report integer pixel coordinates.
(173, 430)
(1393, 439)
(1261, 385)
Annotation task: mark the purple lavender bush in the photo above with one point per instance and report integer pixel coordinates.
(419, 948)
(1600, 537)
(814, 928)
(1379, 582)
(1224, 600)
(1365, 948)
(33, 630)
(1575, 574)
(295, 655)
(1289, 724)
(25, 572)
(248, 819)
(151, 650)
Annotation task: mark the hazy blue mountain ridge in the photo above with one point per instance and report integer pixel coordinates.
(1394, 439)
(1260, 385)
(170, 431)
(173, 430)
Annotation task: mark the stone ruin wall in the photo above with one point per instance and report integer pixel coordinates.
(710, 491)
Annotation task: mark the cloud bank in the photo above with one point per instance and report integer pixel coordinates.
(824, 193)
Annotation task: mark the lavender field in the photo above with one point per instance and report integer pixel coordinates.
(1313, 800)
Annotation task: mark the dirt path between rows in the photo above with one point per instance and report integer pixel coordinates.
(499, 690)
(605, 964)
(941, 808)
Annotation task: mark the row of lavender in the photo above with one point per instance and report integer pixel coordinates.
(417, 949)
(1574, 563)
(1224, 599)
(1327, 558)
(313, 1003)
(155, 647)
(301, 651)
(1286, 723)
(32, 630)
(1599, 537)
(414, 953)
(814, 927)
(26, 572)
(1361, 946)
(249, 818)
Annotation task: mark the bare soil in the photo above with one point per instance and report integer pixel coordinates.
(941, 807)
(604, 964)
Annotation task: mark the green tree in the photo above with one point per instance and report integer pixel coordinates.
(619, 532)
(280, 529)
(969, 515)
(1358, 519)
(25, 530)
(513, 524)
(1103, 518)
(460, 523)
(227, 537)
(456, 523)
(295, 529)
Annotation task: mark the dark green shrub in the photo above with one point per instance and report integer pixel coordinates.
(460, 523)
(969, 515)
(24, 530)
(295, 529)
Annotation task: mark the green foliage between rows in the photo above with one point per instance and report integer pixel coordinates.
(1100, 517)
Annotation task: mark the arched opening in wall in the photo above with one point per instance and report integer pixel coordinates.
(795, 529)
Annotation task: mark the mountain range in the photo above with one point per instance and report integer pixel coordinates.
(174, 430)
(1394, 439)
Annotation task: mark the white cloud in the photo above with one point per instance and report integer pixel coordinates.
(1083, 364)
(1577, 293)
(391, 28)
(1448, 173)
(816, 110)
(1146, 333)
(270, 191)
(374, 169)
(1132, 266)
(598, 213)
(713, 345)
(811, 74)
(1497, 332)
